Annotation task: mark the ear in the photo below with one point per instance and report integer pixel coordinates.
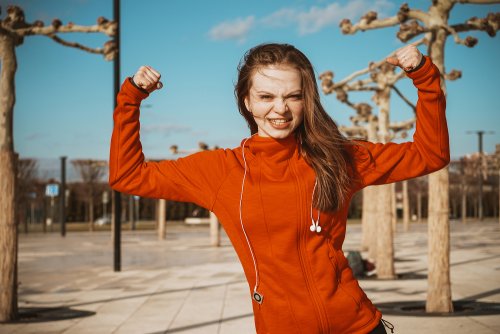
(247, 104)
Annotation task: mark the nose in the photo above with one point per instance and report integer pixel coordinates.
(280, 106)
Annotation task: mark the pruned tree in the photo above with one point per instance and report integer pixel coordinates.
(436, 28)
(13, 30)
(378, 202)
(27, 173)
(91, 172)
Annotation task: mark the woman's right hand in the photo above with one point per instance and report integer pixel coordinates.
(147, 78)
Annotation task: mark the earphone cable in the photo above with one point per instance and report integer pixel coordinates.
(241, 218)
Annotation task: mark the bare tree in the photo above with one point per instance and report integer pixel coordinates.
(378, 207)
(434, 25)
(13, 30)
(27, 171)
(91, 172)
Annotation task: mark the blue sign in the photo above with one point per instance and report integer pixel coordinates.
(52, 190)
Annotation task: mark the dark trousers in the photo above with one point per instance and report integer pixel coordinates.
(380, 329)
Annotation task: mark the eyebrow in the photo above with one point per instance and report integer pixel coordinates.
(298, 91)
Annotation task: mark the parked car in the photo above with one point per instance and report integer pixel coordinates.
(104, 220)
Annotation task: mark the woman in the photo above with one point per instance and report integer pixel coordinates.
(282, 196)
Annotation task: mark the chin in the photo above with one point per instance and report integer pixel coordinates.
(277, 134)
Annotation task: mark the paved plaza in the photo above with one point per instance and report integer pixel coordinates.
(183, 285)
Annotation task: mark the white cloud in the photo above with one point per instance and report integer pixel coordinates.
(281, 18)
(237, 29)
(307, 21)
(316, 18)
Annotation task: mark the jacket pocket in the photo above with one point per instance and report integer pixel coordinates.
(343, 283)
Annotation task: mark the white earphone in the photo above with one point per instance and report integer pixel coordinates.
(314, 223)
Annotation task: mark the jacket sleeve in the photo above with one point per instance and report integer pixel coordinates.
(386, 163)
(194, 178)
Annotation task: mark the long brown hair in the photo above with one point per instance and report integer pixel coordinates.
(321, 143)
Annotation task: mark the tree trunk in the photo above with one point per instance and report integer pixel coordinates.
(369, 219)
(439, 284)
(162, 217)
(91, 213)
(394, 219)
(406, 207)
(214, 230)
(475, 208)
(385, 247)
(371, 227)
(8, 226)
(131, 216)
(419, 206)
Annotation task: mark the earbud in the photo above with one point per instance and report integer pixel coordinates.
(315, 226)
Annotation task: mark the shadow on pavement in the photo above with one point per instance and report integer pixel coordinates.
(44, 314)
(107, 300)
(203, 324)
(461, 308)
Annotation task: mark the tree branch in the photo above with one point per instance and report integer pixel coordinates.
(76, 45)
(370, 21)
(109, 51)
(478, 2)
(354, 131)
(348, 28)
(404, 98)
(469, 41)
(453, 75)
(361, 85)
(407, 31)
(404, 125)
(490, 24)
(109, 28)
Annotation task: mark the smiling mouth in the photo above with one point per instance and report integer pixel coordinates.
(278, 121)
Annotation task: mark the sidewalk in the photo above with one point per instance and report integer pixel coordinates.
(182, 285)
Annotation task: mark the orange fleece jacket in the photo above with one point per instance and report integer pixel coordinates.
(307, 284)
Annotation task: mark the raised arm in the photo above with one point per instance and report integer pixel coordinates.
(194, 178)
(429, 151)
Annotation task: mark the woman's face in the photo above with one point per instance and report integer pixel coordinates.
(276, 100)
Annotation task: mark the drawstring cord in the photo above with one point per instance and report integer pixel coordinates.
(388, 325)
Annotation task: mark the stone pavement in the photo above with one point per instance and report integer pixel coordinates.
(182, 285)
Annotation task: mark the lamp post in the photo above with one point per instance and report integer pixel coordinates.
(63, 197)
(480, 134)
(117, 196)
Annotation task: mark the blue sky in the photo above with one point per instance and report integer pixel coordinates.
(65, 96)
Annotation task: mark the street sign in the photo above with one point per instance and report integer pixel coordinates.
(105, 197)
(52, 190)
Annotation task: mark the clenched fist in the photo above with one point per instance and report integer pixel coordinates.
(147, 78)
(408, 57)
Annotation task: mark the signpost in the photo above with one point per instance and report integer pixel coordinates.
(52, 191)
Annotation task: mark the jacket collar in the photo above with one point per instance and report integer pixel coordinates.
(271, 149)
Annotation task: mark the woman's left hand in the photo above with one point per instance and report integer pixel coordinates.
(408, 57)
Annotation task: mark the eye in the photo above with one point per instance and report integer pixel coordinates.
(265, 97)
(296, 97)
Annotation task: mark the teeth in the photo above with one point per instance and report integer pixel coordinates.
(278, 121)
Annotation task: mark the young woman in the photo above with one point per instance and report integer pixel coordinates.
(282, 196)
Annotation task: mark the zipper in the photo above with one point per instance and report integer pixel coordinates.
(302, 238)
